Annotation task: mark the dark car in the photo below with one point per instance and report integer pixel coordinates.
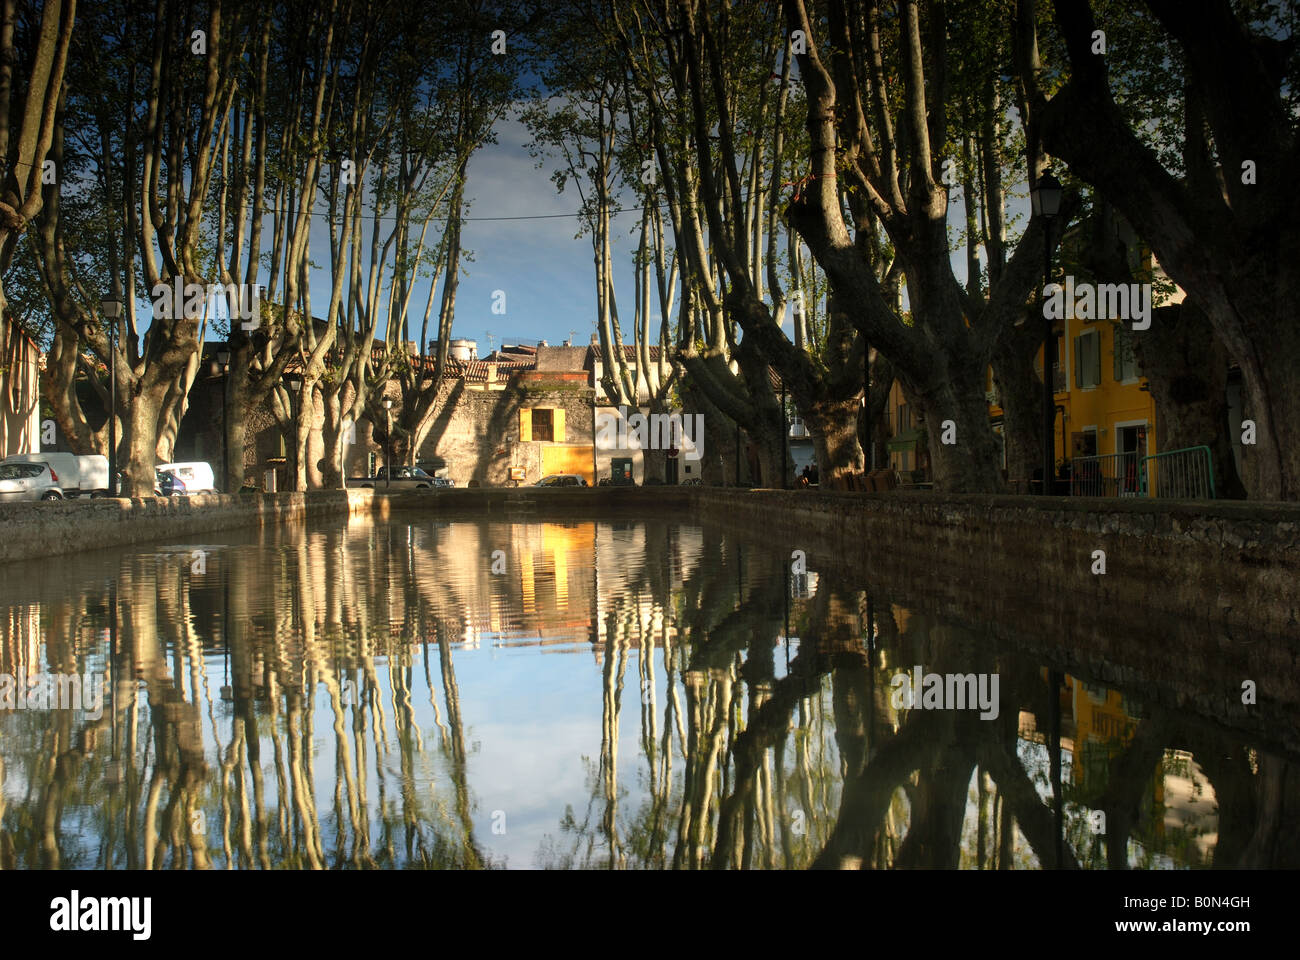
(561, 480)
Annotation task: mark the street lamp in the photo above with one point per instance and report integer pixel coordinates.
(1045, 198)
(223, 361)
(111, 308)
(388, 442)
(295, 414)
(785, 436)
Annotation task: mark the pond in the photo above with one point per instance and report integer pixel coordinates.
(434, 693)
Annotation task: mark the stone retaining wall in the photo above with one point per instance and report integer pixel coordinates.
(1231, 563)
(1234, 564)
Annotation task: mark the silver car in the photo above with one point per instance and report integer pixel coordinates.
(29, 481)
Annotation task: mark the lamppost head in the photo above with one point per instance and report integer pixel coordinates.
(388, 403)
(111, 307)
(223, 359)
(1045, 197)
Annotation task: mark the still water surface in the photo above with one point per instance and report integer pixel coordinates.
(561, 695)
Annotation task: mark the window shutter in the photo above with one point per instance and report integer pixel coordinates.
(525, 425)
(1119, 354)
(1094, 355)
(1078, 362)
(557, 421)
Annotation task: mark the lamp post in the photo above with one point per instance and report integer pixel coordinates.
(295, 413)
(223, 361)
(388, 442)
(785, 436)
(737, 453)
(111, 307)
(1045, 198)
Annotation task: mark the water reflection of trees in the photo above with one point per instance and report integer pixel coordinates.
(765, 736)
(139, 788)
(813, 766)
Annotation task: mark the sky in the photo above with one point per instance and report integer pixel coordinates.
(546, 273)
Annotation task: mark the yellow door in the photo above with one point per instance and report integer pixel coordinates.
(568, 459)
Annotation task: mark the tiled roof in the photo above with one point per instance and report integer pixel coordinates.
(630, 352)
(476, 371)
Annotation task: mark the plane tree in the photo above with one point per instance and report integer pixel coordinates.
(1207, 186)
(879, 120)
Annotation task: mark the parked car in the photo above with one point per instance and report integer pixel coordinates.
(164, 484)
(29, 481)
(405, 478)
(444, 483)
(168, 484)
(78, 475)
(195, 477)
(562, 480)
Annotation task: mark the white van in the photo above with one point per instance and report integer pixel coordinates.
(77, 475)
(93, 470)
(197, 477)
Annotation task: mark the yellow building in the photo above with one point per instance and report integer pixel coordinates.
(1103, 404)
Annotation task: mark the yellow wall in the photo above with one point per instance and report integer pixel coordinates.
(1105, 406)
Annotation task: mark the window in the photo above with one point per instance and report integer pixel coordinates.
(1126, 362)
(1087, 360)
(904, 419)
(542, 425)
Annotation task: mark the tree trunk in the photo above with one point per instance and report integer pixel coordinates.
(141, 441)
(334, 438)
(236, 431)
(969, 464)
(1020, 391)
(834, 428)
(1186, 365)
(766, 449)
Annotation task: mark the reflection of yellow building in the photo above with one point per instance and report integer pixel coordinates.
(1182, 813)
(544, 567)
(1102, 729)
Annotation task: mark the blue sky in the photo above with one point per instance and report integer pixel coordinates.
(547, 275)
